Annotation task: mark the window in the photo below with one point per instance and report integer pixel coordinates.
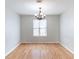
(39, 27)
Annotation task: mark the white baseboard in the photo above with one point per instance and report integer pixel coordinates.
(39, 42)
(67, 48)
(12, 49)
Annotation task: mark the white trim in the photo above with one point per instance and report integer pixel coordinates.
(67, 48)
(12, 49)
(39, 42)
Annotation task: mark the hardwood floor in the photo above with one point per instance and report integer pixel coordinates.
(40, 51)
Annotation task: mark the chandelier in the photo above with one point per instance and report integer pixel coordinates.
(40, 15)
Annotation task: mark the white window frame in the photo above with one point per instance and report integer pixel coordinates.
(40, 29)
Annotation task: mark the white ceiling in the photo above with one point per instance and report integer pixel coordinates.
(30, 7)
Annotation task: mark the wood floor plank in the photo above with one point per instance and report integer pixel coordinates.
(40, 51)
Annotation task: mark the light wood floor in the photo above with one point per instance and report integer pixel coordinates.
(40, 51)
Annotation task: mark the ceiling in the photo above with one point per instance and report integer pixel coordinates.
(30, 7)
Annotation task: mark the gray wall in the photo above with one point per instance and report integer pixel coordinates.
(12, 30)
(26, 30)
(67, 28)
